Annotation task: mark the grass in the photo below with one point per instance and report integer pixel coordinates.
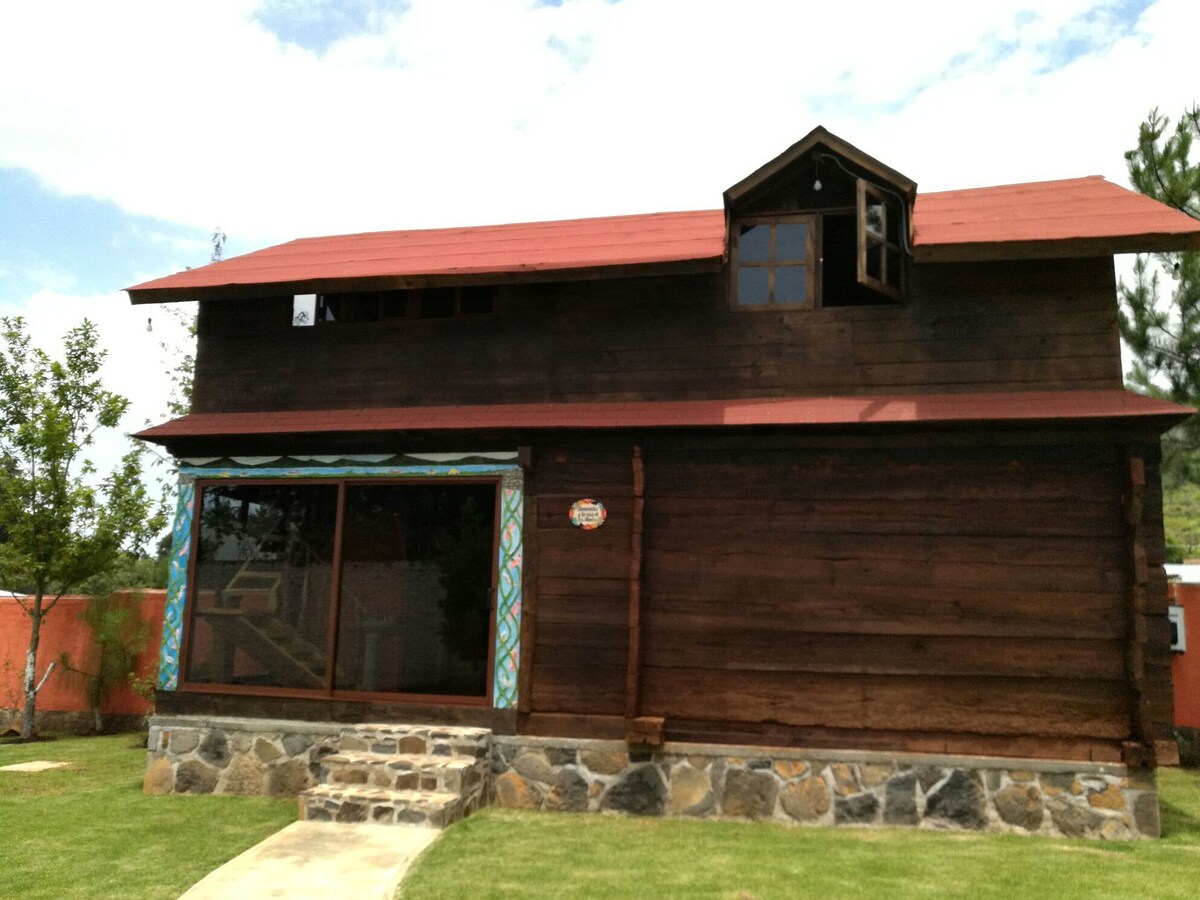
(88, 831)
(506, 853)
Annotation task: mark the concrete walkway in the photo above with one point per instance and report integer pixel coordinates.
(320, 859)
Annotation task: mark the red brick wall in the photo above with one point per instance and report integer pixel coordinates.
(63, 630)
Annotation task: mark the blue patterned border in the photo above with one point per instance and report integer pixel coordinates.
(508, 600)
(181, 548)
(508, 580)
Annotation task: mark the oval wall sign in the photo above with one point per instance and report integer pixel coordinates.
(588, 514)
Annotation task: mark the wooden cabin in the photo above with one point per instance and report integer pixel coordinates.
(838, 468)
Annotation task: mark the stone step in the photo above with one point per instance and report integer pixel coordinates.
(434, 740)
(436, 809)
(425, 772)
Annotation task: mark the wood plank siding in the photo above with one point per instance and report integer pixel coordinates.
(954, 589)
(1037, 325)
(963, 599)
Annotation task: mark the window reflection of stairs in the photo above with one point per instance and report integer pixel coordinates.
(282, 651)
(250, 618)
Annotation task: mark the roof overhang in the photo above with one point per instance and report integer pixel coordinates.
(1073, 217)
(933, 409)
(1068, 248)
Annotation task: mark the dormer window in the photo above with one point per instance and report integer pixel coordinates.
(822, 225)
(775, 261)
(881, 256)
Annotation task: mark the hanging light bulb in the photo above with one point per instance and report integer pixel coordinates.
(149, 324)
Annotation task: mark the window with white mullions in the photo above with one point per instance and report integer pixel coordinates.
(774, 261)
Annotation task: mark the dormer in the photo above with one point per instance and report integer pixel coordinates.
(821, 225)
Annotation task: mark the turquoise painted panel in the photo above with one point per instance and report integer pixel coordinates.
(508, 600)
(507, 653)
(181, 548)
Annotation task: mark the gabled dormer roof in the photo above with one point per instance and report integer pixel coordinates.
(796, 161)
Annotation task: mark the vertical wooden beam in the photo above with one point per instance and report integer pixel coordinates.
(1139, 750)
(335, 589)
(637, 729)
(528, 603)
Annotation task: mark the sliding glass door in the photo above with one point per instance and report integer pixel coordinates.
(343, 587)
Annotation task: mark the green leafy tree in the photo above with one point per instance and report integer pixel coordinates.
(64, 522)
(1163, 331)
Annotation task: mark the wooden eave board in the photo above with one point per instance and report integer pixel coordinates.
(1016, 406)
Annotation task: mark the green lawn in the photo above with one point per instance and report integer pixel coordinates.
(503, 853)
(87, 831)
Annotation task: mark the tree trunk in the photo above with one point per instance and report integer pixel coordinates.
(31, 686)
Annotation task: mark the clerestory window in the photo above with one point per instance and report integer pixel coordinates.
(377, 306)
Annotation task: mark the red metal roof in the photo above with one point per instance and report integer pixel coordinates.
(492, 249)
(1090, 213)
(895, 409)
(1074, 210)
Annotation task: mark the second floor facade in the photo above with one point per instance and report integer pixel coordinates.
(824, 274)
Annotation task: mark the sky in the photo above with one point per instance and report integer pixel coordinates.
(130, 131)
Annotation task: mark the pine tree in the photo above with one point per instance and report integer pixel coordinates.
(1163, 332)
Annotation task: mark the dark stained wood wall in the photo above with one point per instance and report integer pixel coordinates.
(962, 599)
(1036, 325)
(581, 592)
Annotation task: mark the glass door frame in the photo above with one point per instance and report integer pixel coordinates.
(329, 692)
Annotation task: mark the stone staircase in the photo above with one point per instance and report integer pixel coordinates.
(402, 775)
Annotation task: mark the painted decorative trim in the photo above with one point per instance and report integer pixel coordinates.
(507, 648)
(508, 599)
(416, 471)
(349, 459)
(181, 548)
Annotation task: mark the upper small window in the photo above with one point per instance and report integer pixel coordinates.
(774, 261)
(376, 306)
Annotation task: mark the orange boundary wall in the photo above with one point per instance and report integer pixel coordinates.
(1185, 667)
(63, 630)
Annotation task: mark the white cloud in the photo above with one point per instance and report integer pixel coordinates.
(494, 110)
(447, 112)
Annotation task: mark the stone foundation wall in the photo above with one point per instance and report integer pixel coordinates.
(810, 788)
(249, 757)
(53, 721)
(204, 755)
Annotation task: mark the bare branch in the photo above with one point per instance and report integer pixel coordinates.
(38, 688)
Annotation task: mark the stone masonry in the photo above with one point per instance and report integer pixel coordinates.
(435, 775)
(826, 788)
(383, 774)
